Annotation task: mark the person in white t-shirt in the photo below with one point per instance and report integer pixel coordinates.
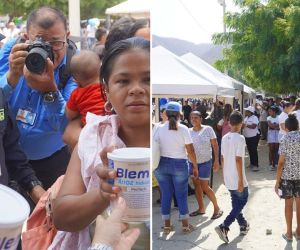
(250, 129)
(164, 118)
(287, 108)
(91, 30)
(233, 154)
(263, 123)
(172, 173)
(297, 109)
(273, 131)
(204, 139)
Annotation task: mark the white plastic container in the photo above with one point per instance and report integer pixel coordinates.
(14, 210)
(133, 176)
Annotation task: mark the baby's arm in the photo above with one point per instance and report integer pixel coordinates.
(70, 114)
(71, 109)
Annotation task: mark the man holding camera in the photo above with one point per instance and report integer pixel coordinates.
(32, 85)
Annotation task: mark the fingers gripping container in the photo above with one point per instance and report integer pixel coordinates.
(132, 166)
(14, 210)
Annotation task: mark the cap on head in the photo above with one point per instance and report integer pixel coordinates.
(250, 109)
(173, 106)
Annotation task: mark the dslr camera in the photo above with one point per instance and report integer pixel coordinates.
(39, 51)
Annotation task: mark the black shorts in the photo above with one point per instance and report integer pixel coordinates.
(290, 188)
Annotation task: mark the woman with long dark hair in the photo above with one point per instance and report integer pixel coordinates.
(85, 192)
(204, 139)
(223, 124)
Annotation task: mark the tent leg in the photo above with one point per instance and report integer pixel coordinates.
(157, 108)
(242, 109)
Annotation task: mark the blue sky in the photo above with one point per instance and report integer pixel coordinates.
(191, 20)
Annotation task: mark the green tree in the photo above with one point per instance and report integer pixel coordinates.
(263, 44)
(96, 8)
(12, 8)
(88, 8)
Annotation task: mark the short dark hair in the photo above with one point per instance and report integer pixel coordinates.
(286, 104)
(291, 123)
(100, 33)
(274, 108)
(44, 20)
(235, 118)
(196, 112)
(116, 50)
(138, 24)
(120, 30)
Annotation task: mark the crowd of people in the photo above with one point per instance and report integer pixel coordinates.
(188, 147)
(63, 120)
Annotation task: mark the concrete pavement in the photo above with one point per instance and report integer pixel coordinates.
(263, 211)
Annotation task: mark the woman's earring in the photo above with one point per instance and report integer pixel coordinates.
(108, 107)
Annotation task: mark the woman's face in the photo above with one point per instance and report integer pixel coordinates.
(271, 112)
(288, 109)
(129, 87)
(195, 120)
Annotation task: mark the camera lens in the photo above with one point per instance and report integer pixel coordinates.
(36, 60)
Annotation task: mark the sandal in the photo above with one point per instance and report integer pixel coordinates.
(296, 236)
(217, 215)
(196, 213)
(188, 229)
(167, 230)
(287, 238)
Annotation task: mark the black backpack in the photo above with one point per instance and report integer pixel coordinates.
(64, 71)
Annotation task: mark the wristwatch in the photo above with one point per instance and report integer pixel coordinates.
(50, 96)
(100, 246)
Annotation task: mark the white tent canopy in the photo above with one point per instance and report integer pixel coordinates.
(171, 77)
(224, 84)
(250, 91)
(211, 71)
(133, 8)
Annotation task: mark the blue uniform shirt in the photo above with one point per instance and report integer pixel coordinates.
(41, 137)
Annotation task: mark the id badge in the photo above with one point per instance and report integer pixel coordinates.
(26, 116)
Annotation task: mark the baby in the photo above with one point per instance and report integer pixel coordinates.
(88, 97)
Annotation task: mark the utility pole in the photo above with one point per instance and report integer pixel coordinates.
(74, 19)
(223, 4)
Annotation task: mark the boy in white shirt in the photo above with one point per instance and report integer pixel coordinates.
(233, 154)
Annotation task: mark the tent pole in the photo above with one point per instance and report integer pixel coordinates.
(242, 109)
(157, 109)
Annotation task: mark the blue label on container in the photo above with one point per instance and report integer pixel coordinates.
(111, 166)
(9, 242)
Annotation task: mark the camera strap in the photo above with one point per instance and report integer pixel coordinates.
(64, 71)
